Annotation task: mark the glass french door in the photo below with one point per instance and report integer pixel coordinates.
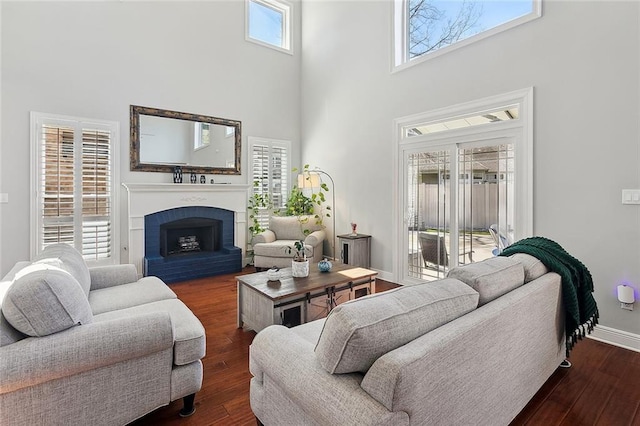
(458, 199)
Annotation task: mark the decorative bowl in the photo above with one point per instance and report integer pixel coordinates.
(273, 274)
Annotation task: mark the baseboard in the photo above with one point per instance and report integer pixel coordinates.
(383, 275)
(616, 337)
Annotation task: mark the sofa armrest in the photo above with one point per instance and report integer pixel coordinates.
(284, 357)
(112, 275)
(266, 236)
(315, 238)
(36, 360)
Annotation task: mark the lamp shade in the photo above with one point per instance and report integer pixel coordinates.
(309, 180)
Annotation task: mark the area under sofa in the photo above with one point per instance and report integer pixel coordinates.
(462, 366)
(93, 346)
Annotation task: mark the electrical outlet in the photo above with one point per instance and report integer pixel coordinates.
(627, 306)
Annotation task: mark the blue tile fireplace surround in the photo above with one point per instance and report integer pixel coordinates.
(185, 243)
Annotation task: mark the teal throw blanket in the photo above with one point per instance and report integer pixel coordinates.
(581, 311)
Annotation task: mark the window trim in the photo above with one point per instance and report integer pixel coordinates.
(198, 143)
(281, 6)
(399, 53)
(37, 118)
(521, 129)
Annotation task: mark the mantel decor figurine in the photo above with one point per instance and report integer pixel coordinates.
(177, 174)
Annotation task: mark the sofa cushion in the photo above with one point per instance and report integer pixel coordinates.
(533, 267)
(68, 258)
(145, 290)
(44, 300)
(280, 248)
(491, 278)
(292, 227)
(358, 332)
(189, 335)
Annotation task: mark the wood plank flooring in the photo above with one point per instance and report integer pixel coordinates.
(602, 387)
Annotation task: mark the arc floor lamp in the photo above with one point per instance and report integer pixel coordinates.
(311, 179)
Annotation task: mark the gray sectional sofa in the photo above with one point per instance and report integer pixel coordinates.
(96, 346)
(471, 349)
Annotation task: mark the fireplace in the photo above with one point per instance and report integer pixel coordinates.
(190, 242)
(190, 235)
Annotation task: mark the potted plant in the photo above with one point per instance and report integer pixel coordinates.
(299, 263)
(259, 201)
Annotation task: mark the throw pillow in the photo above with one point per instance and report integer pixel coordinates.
(358, 332)
(491, 278)
(44, 300)
(69, 259)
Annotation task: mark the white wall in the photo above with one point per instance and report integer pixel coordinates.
(94, 59)
(582, 58)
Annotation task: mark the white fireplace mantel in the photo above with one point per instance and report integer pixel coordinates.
(147, 198)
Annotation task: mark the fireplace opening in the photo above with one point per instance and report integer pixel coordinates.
(190, 242)
(190, 235)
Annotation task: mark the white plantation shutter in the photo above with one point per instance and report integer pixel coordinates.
(270, 168)
(74, 181)
(96, 194)
(279, 174)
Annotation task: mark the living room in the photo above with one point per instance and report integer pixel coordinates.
(335, 98)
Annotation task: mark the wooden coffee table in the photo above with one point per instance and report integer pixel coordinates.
(292, 301)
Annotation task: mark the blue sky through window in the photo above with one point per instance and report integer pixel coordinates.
(437, 16)
(265, 24)
(496, 12)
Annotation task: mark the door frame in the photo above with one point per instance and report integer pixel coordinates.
(519, 130)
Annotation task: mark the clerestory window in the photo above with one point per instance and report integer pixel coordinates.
(268, 22)
(426, 28)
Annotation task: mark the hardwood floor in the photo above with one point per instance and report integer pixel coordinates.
(602, 387)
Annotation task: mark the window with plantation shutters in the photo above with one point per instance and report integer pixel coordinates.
(73, 180)
(269, 174)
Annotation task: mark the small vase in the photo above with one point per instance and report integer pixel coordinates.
(324, 265)
(193, 178)
(300, 269)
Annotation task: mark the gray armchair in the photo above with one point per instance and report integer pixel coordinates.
(95, 346)
(271, 247)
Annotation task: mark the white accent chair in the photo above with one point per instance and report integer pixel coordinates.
(274, 246)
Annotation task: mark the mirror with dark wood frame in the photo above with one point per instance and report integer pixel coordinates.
(162, 139)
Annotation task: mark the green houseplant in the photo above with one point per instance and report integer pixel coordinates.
(258, 201)
(301, 205)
